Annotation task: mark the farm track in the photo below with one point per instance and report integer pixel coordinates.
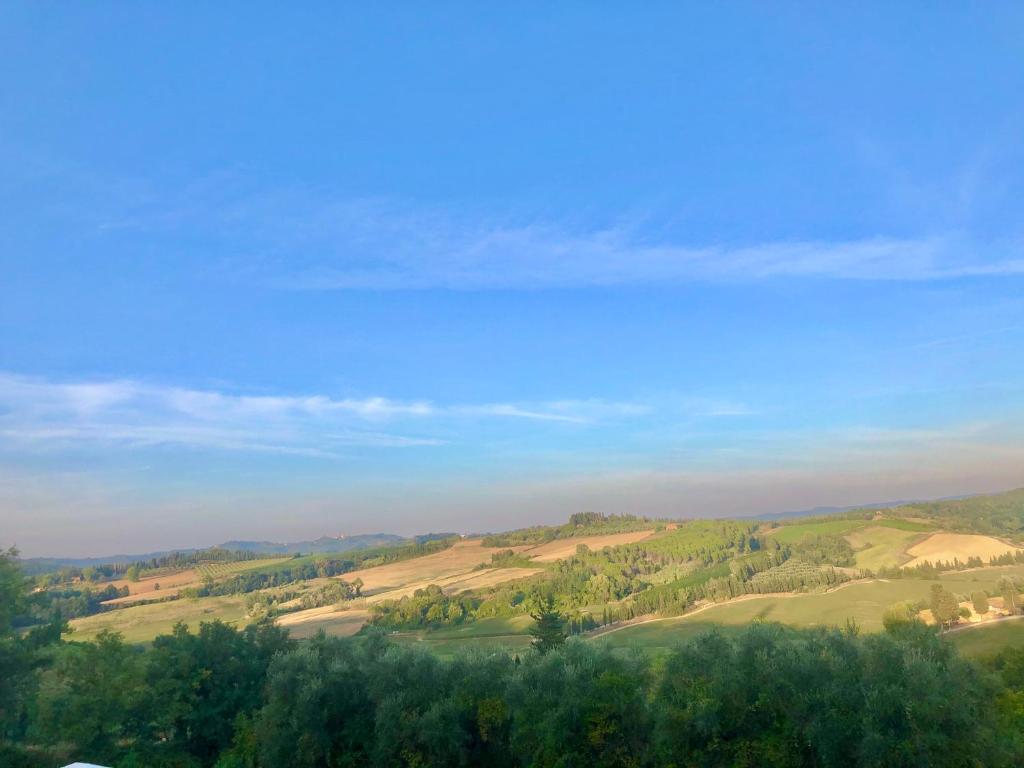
(985, 623)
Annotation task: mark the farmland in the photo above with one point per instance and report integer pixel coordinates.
(862, 602)
(946, 547)
(141, 623)
(714, 573)
(879, 546)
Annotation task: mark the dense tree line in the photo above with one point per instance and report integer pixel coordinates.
(765, 696)
(427, 607)
(507, 558)
(68, 603)
(996, 515)
(253, 581)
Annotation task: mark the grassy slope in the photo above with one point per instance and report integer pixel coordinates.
(486, 635)
(881, 546)
(142, 623)
(989, 639)
(864, 602)
(795, 532)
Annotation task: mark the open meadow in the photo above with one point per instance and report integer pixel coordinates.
(141, 623)
(863, 602)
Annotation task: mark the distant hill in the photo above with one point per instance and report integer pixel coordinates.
(822, 511)
(323, 544)
(326, 544)
(36, 565)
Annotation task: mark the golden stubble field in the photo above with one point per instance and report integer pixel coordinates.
(944, 547)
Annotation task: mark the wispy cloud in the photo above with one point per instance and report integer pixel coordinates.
(360, 245)
(425, 255)
(45, 413)
(315, 239)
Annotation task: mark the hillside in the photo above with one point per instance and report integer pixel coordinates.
(323, 544)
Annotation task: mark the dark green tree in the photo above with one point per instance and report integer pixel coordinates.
(980, 601)
(1008, 590)
(548, 630)
(944, 606)
(203, 681)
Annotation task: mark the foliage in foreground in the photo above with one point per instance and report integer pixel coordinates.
(766, 696)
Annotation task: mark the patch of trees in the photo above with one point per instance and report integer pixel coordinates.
(427, 607)
(67, 603)
(252, 581)
(507, 559)
(944, 605)
(824, 549)
(995, 515)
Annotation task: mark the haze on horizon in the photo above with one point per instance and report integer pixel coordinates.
(275, 273)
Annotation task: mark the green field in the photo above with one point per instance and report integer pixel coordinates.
(863, 602)
(485, 635)
(793, 534)
(141, 623)
(989, 639)
(796, 532)
(881, 546)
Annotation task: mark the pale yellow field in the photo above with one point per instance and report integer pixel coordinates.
(144, 589)
(332, 621)
(173, 582)
(141, 623)
(943, 547)
(460, 582)
(456, 560)
(563, 548)
(340, 621)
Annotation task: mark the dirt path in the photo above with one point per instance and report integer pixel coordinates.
(984, 623)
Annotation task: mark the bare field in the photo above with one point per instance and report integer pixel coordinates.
(563, 548)
(155, 586)
(460, 582)
(172, 582)
(343, 621)
(456, 560)
(334, 622)
(947, 546)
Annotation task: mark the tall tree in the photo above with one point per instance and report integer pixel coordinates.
(980, 601)
(548, 630)
(1008, 589)
(944, 606)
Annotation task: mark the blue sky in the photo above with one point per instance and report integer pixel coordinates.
(271, 273)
